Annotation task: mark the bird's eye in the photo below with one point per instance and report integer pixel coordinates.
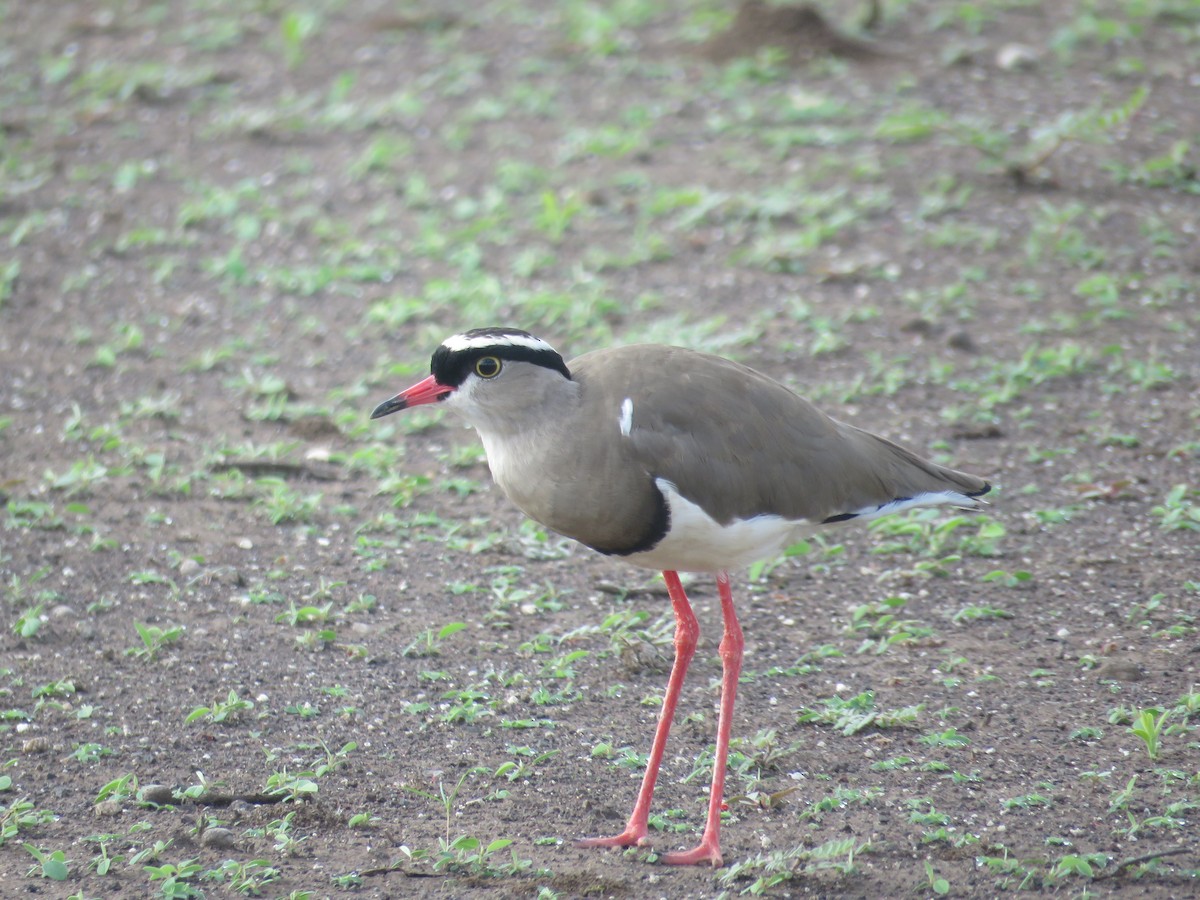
(487, 367)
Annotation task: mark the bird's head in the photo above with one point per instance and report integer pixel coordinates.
(487, 374)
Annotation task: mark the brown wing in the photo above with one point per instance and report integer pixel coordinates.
(740, 444)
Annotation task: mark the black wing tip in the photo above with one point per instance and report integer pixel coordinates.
(845, 517)
(987, 486)
(840, 517)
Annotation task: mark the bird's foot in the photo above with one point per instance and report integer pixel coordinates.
(630, 837)
(706, 852)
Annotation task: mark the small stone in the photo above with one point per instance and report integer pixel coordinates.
(189, 567)
(110, 807)
(245, 543)
(158, 794)
(1120, 670)
(919, 325)
(961, 340)
(314, 428)
(1016, 56)
(219, 838)
(240, 808)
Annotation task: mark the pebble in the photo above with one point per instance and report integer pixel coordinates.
(961, 340)
(1016, 56)
(220, 838)
(240, 808)
(1120, 670)
(159, 794)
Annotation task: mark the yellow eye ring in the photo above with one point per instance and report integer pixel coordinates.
(487, 366)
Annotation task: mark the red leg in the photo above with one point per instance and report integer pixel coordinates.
(687, 632)
(709, 848)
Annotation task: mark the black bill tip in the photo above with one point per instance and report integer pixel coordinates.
(389, 406)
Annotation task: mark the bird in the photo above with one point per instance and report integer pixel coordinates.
(677, 461)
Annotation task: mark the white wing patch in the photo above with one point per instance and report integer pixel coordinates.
(929, 498)
(698, 543)
(459, 342)
(626, 419)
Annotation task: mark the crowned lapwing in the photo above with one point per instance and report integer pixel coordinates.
(677, 461)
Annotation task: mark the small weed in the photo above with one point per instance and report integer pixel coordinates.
(1023, 163)
(835, 857)
(763, 750)
(467, 855)
(444, 797)
(923, 812)
(363, 820)
(1180, 510)
(852, 715)
(1073, 865)
(1177, 169)
(246, 878)
(154, 639)
(298, 616)
(1148, 724)
(974, 613)
(556, 214)
(428, 642)
(29, 622)
(292, 788)
(21, 815)
(90, 752)
(1026, 801)
(840, 798)
(882, 628)
(937, 883)
(1008, 579)
(296, 28)
(52, 864)
(79, 479)
(119, 789)
(283, 505)
(230, 707)
(102, 862)
(174, 878)
(948, 738)
(281, 831)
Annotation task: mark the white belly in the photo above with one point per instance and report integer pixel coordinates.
(698, 543)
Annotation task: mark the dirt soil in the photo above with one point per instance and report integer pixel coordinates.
(253, 636)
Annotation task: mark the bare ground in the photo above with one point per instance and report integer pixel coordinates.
(225, 234)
